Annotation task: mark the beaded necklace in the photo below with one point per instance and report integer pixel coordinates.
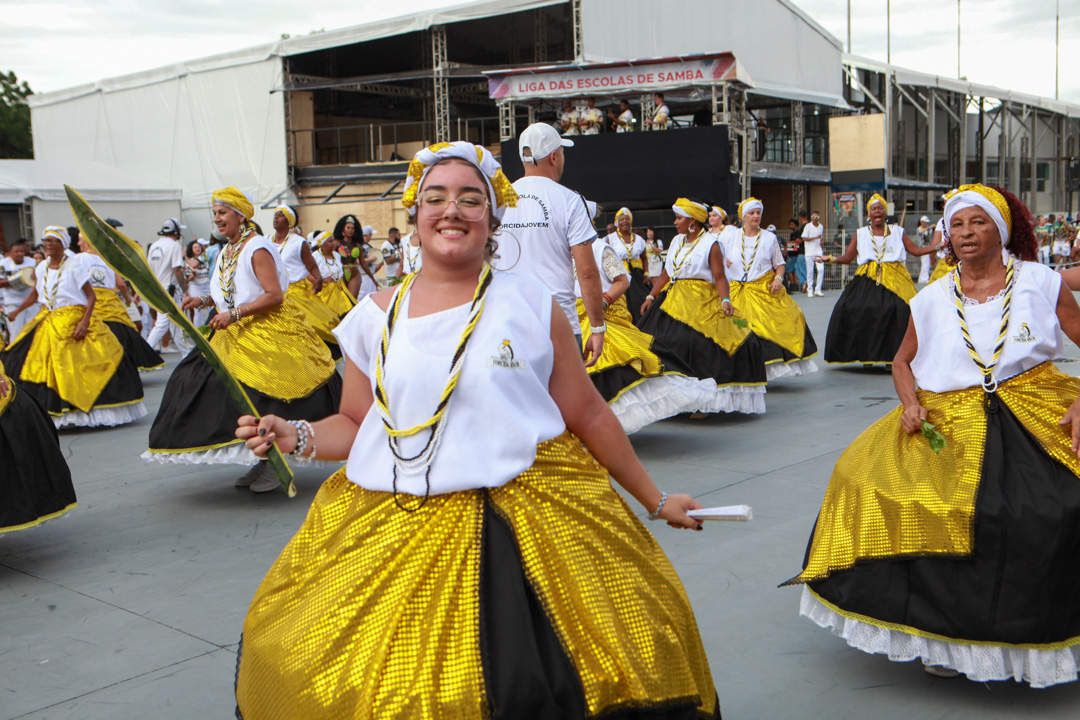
(628, 245)
(413, 257)
(50, 293)
(747, 266)
(879, 253)
(423, 459)
(227, 265)
(682, 255)
(987, 369)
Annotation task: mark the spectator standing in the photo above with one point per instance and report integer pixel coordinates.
(812, 235)
(166, 259)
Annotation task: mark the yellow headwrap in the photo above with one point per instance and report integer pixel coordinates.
(749, 205)
(288, 212)
(691, 209)
(57, 233)
(986, 198)
(720, 211)
(500, 190)
(234, 198)
(874, 200)
(626, 212)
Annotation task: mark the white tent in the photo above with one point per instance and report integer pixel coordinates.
(35, 189)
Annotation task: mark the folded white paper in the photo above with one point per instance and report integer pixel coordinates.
(740, 513)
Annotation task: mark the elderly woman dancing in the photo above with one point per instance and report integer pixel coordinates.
(472, 558)
(960, 550)
(263, 340)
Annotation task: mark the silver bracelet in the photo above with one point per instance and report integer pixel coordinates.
(655, 514)
(305, 436)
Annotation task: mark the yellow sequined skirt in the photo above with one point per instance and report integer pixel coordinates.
(624, 344)
(320, 317)
(940, 270)
(374, 612)
(337, 297)
(77, 371)
(772, 316)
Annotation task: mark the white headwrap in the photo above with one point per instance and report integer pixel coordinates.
(749, 205)
(971, 198)
(626, 212)
(500, 191)
(317, 237)
(720, 211)
(59, 233)
(288, 212)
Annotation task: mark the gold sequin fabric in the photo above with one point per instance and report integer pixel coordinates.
(373, 612)
(695, 303)
(317, 313)
(76, 370)
(337, 297)
(276, 353)
(890, 496)
(108, 308)
(773, 316)
(893, 275)
(940, 270)
(624, 344)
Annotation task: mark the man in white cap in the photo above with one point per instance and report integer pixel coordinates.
(552, 227)
(925, 236)
(166, 259)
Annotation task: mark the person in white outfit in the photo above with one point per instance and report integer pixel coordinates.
(12, 297)
(812, 235)
(925, 237)
(166, 259)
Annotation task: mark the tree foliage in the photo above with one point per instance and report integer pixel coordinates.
(16, 140)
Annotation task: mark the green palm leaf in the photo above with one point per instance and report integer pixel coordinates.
(127, 258)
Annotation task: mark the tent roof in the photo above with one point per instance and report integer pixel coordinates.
(414, 22)
(21, 180)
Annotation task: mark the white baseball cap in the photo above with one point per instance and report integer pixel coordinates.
(368, 230)
(924, 219)
(540, 139)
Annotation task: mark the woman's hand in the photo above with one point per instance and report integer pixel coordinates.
(12, 315)
(4, 387)
(912, 419)
(644, 305)
(80, 329)
(1072, 417)
(262, 433)
(674, 511)
(220, 321)
(776, 285)
(728, 308)
(191, 303)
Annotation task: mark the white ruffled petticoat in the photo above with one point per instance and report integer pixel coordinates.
(793, 369)
(748, 399)
(233, 454)
(661, 397)
(98, 417)
(982, 663)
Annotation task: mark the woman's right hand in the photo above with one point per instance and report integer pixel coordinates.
(260, 434)
(191, 303)
(674, 511)
(912, 419)
(647, 303)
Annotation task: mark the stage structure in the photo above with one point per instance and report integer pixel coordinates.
(643, 169)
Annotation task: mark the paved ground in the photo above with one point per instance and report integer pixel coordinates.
(131, 606)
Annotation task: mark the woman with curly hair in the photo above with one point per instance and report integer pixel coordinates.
(950, 528)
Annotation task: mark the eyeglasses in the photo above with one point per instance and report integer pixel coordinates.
(471, 206)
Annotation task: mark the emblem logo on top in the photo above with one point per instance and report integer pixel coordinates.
(505, 358)
(1024, 335)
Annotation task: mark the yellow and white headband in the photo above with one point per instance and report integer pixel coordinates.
(317, 237)
(288, 212)
(55, 232)
(720, 211)
(877, 199)
(624, 211)
(749, 205)
(687, 208)
(983, 197)
(500, 191)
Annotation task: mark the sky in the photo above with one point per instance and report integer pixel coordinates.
(55, 45)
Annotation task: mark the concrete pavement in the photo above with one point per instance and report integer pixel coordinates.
(131, 606)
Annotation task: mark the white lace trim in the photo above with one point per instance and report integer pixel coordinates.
(797, 368)
(982, 663)
(235, 454)
(1017, 266)
(661, 397)
(98, 417)
(748, 399)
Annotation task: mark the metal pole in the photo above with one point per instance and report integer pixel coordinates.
(849, 26)
(958, 75)
(1057, 44)
(888, 31)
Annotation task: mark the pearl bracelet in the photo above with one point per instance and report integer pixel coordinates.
(305, 435)
(655, 514)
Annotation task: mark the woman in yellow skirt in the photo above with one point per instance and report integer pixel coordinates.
(66, 357)
(963, 553)
(869, 320)
(263, 340)
(335, 292)
(689, 313)
(472, 559)
(305, 280)
(755, 265)
(109, 309)
(35, 482)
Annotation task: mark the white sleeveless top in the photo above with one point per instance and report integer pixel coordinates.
(763, 254)
(894, 245)
(637, 246)
(691, 264)
(61, 288)
(329, 266)
(499, 412)
(608, 263)
(943, 363)
(100, 274)
(291, 252)
(412, 257)
(247, 287)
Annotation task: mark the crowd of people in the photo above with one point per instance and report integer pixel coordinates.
(437, 575)
(591, 120)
